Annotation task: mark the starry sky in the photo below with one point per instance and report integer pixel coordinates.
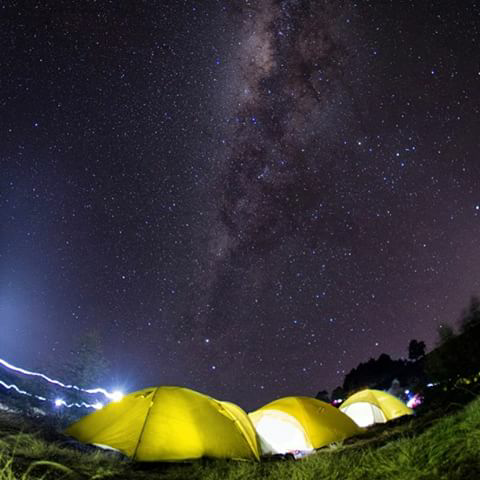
(245, 197)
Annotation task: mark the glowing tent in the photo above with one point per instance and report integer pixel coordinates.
(371, 406)
(300, 424)
(168, 424)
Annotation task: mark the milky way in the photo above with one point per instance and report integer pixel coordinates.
(292, 72)
(278, 181)
(246, 198)
(275, 177)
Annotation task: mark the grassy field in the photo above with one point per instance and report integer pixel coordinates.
(434, 445)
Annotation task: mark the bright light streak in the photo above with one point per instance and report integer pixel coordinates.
(61, 403)
(58, 402)
(98, 390)
(20, 391)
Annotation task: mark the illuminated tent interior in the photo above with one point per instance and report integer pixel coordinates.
(371, 406)
(300, 424)
(170, 424)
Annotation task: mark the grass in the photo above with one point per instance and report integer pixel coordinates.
(432, 446)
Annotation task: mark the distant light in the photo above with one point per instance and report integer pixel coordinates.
(59, 402)
(98, 405)
(415, 401)
(115, 396)
(407, 391)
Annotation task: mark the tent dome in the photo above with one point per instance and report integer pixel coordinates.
(170, 424)
(300, 424)
(371, 406)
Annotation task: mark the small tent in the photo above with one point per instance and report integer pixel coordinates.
(371, 406)
(170, 424)
(300, 424)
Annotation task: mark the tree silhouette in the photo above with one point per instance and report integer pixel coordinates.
(416, 349)
(445, 333)
(471, 316)
(372, 373)
(323, 396)
(457, 355)
(338, 393)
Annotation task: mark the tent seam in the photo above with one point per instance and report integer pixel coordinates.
(238, 426)
(144, 424)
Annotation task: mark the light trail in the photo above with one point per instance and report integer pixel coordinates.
(113, 396)
(20, 391)
(58, 402)
(61, 403)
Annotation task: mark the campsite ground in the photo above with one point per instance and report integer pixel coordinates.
(443, 442)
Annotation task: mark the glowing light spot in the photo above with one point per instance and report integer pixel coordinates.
(116, 396)
(415, 401)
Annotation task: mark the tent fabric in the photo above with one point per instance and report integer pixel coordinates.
(300, 423)
(363, 407)
(170, 423)
(280, 432)
(365, 414)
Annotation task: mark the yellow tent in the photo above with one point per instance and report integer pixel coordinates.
(300, 424)
(371, 406)
(168, 424)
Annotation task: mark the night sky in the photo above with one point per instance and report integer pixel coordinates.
(247, 198)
